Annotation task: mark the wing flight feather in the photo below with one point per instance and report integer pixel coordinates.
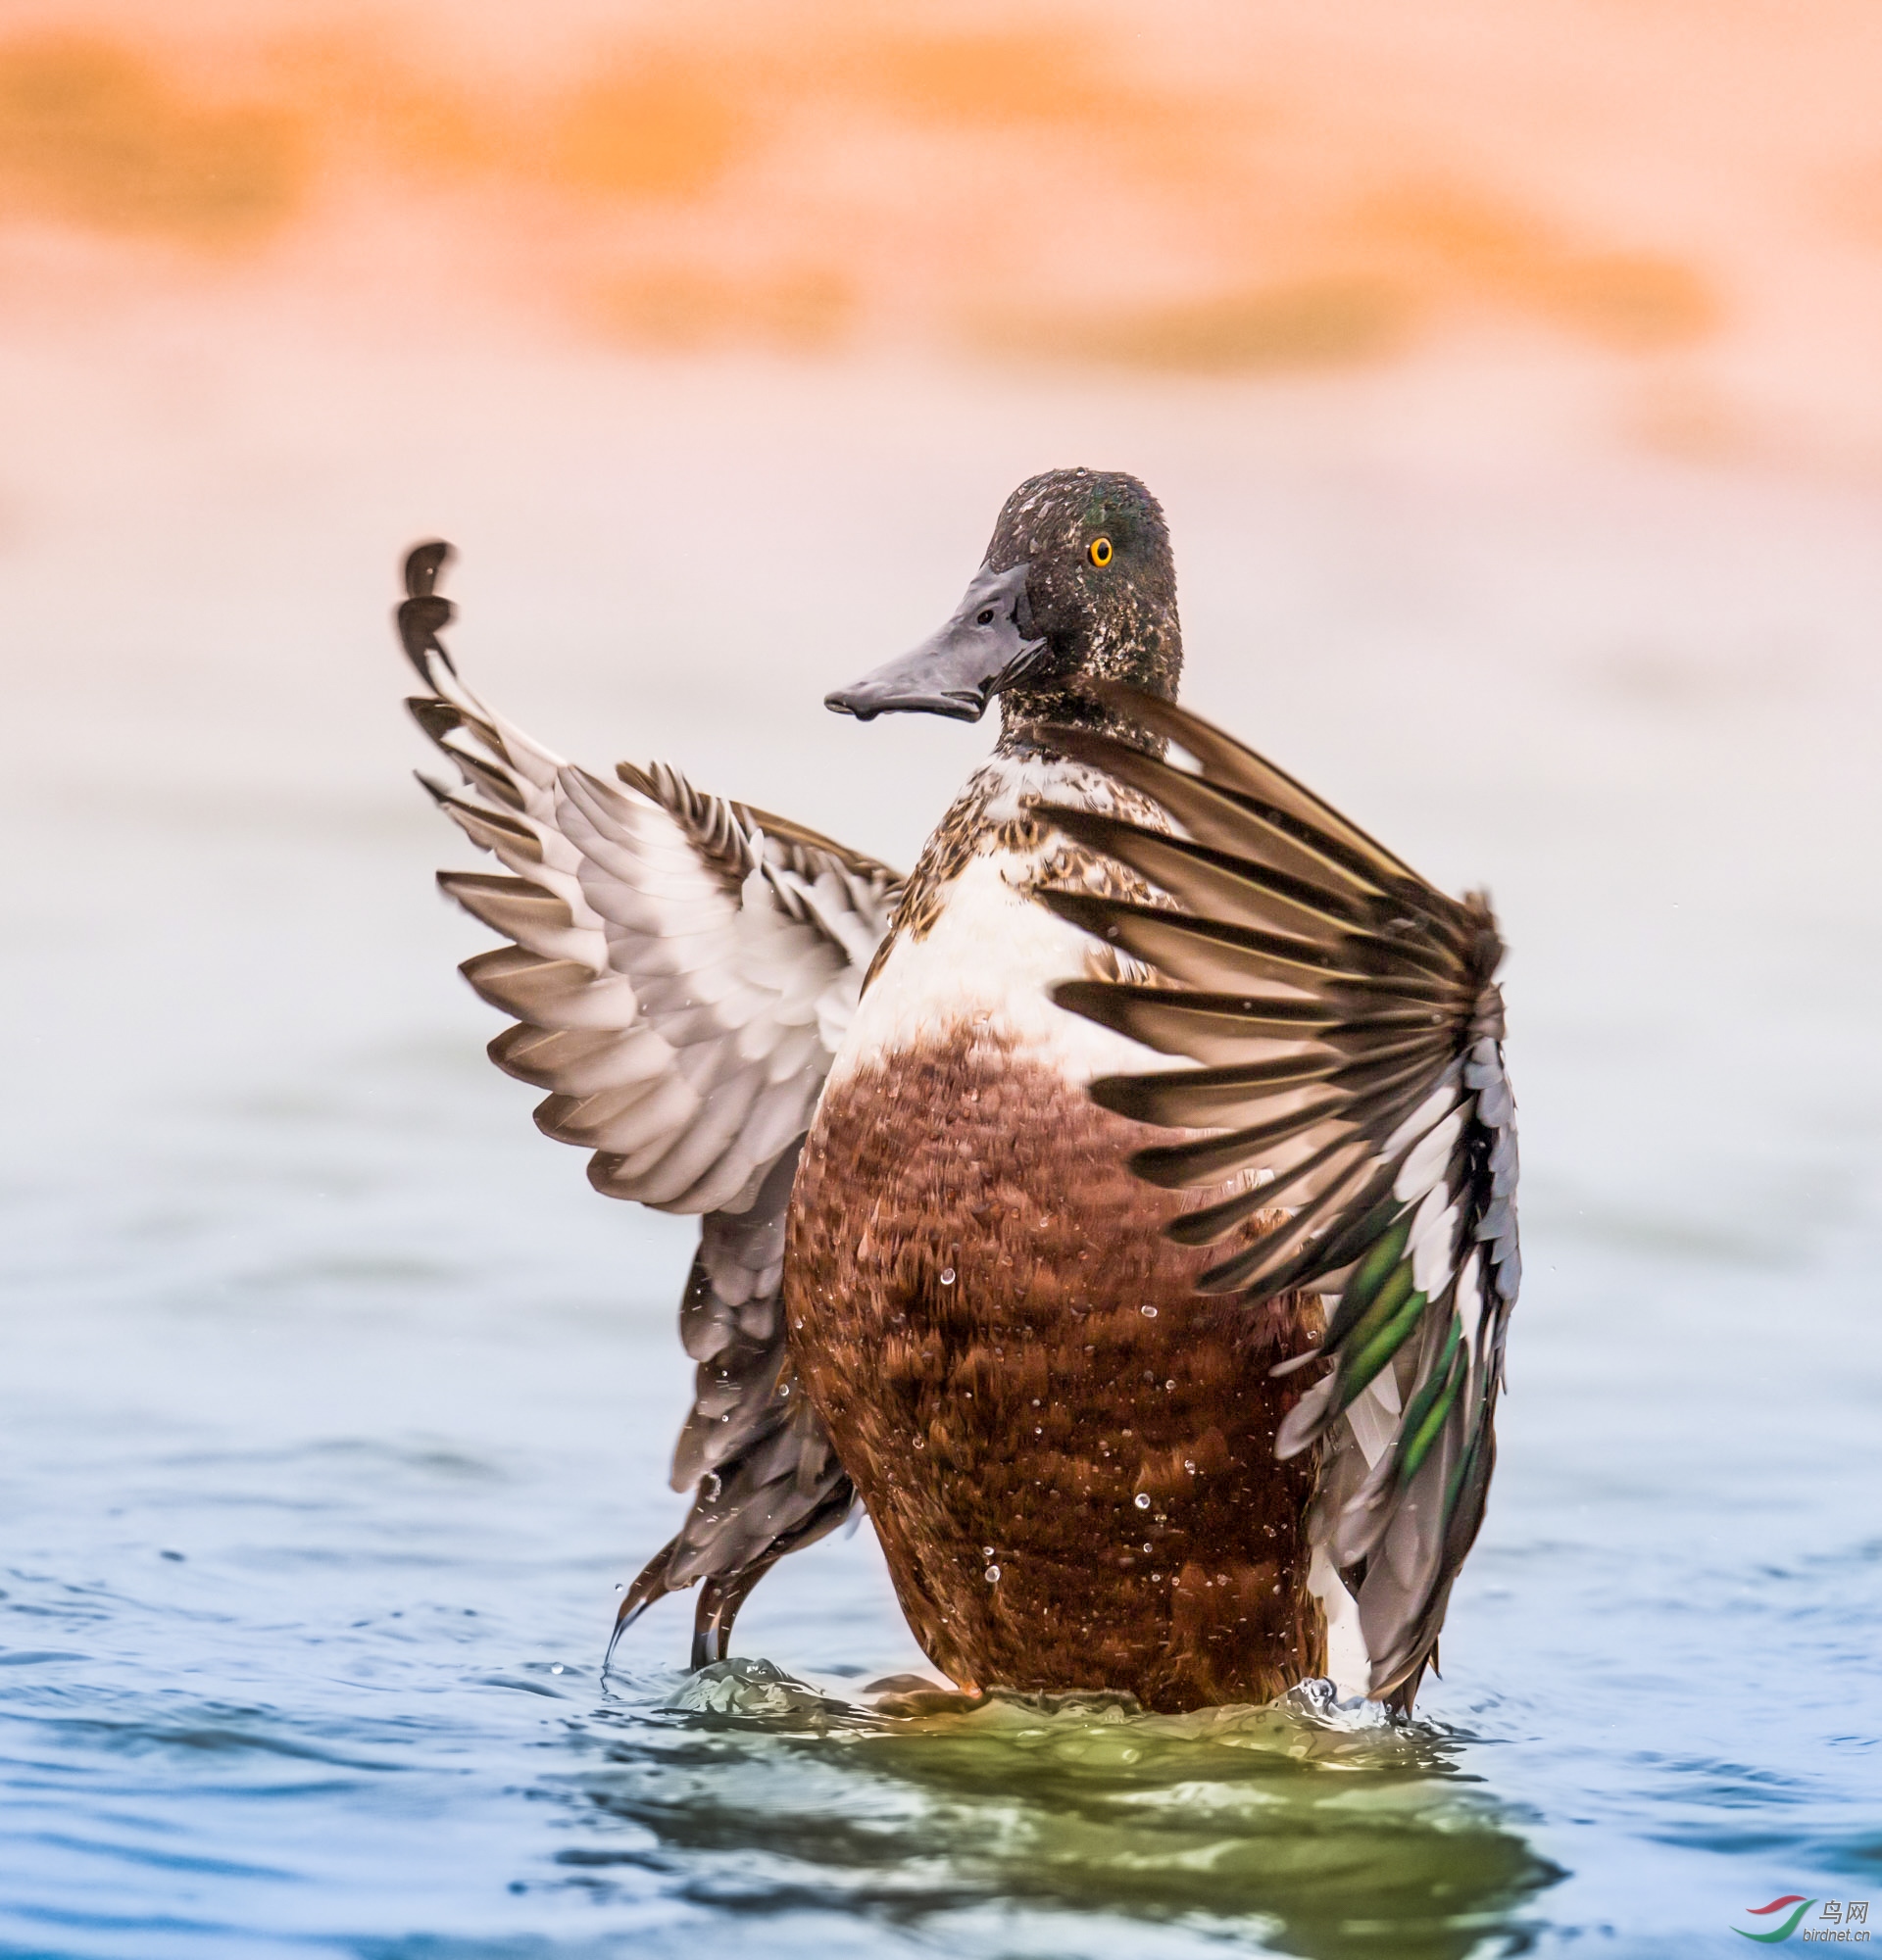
(1348, 1031)
(680, 969)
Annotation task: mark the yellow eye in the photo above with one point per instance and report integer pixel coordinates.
(1099, 553)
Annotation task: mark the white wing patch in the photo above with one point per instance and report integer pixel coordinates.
(1429, 1160)
(1434, 1230)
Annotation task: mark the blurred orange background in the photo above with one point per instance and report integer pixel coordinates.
(1684, 199)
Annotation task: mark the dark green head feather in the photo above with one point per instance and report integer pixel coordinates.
(1101, 590)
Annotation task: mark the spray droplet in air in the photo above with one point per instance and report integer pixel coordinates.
(947, 1276)
(993, 1575)
(1143, 1500)
(1148, 1311)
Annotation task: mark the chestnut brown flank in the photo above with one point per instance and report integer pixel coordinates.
(1009, 1354)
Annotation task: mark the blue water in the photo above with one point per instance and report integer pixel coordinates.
(334, 1407)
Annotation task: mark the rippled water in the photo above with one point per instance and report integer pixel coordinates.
(333, 1407)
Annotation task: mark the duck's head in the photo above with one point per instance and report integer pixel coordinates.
(1077, 587)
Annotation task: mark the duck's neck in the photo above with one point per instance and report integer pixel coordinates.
(1026, 724)
(1136, 643)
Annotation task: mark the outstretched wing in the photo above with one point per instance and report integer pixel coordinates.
(1350, 1035)
(680, 969)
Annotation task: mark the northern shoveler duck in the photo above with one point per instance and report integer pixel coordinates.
(1121, 1207)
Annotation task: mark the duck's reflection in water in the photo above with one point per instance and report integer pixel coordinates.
(1302, 1828)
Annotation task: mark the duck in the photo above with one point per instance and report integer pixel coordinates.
(1118, 1209)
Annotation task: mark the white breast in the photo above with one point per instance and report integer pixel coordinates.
(984, 967)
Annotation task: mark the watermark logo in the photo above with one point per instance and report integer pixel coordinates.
(1847, 1922)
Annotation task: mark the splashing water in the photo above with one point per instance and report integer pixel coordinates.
(1298, 1823)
